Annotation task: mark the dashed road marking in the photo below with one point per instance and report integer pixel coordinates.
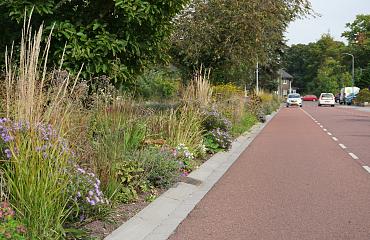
(330, 134)
(325, 130)
(321, 126)
(353, 156)
(342, 146)
(367, 168)
(335, 139)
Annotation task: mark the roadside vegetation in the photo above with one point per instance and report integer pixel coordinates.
(94, 119)
(325, 66)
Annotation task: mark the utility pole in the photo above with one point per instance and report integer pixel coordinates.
(257, 87)
(353, 71)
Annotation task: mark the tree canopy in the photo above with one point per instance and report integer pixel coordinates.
(230, 35)
(111, 37)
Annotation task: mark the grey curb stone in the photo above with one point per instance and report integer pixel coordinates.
(160, 218)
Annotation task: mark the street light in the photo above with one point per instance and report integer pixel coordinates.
(353, 71)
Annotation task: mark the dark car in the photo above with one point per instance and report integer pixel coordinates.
(337, 98)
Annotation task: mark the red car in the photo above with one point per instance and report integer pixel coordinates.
(309, 98)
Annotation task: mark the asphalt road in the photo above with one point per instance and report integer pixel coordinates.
(293, 182)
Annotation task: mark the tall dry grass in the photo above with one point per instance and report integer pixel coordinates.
(199, 91)
(30, 96)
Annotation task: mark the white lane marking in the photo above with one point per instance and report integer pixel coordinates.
(335, 139)
(353, 156)
(342, 146)
(325, 130)
(367, 168)
(321, 126)
(330, 134)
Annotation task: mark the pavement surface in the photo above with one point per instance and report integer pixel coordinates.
(292, 182)
(350, 125)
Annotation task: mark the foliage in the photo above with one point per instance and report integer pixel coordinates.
(218, 139)
(116, 37)
(363, 96)
(185, 158)
(115, 130)
(213, 120)
(37, 176)
(227, 36)
(226, 91)
(245, 123)
(178, 126)
(10, 228)
(126, 181)
(157, 85)
(327, 79)
(160, 166)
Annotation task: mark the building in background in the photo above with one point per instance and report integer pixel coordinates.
(285, 81)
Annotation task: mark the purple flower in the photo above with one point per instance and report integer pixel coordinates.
(8, 153)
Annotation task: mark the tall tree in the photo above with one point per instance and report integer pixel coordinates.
(230, 35)
(358, 36)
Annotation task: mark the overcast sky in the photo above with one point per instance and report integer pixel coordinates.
(334, 16)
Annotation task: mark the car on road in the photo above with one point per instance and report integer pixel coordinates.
(294, 99)
(326, 99)
(309, 98)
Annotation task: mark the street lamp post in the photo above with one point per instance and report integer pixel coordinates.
(353, 71)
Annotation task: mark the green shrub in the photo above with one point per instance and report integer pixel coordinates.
(156, 84)
(363, 96)
(160, 166)
(129, 176)
(213, 120)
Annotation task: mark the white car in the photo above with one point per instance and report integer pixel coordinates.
(327, 99)
(294, 99)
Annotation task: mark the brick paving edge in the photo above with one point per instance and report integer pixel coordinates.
(160, 219)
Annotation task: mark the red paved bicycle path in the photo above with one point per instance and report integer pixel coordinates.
(292, 182)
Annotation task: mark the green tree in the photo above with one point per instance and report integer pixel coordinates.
(111, 37)
(328, 77)
(358, 36)
(304, 61)
(229, 35)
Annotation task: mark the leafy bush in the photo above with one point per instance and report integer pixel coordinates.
(217, 140)
(157, 85)
(213, 120)
(129, 176)
(10, 228)
(160, 166)
(363, 96)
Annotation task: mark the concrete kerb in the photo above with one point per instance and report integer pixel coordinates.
(160, 218)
